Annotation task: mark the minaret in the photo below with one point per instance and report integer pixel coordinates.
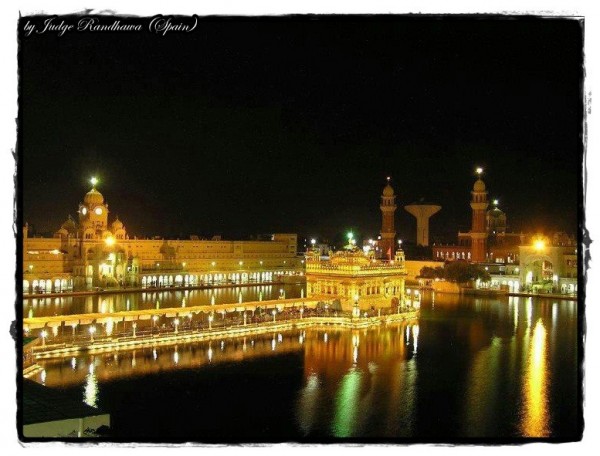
(479, 205)
(388, 207)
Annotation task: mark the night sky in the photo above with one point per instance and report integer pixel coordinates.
(249, 126)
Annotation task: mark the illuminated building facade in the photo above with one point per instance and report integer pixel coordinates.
(515, 261)
(549, 264)
(92, 253)
(355, 277)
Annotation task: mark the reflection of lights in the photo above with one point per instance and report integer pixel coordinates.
(73, 363)
(109, 327)
(43, 376)
(535, 417)
(407, 334)
(347, 404)
(210, 354)
(415, 337)
(279, 338)
(300, 339)
(176, 357)
(325, 338)
(273, 344)
(154, 354)
(355, 355)
(90, 392)
(529, 311)
(222, 345)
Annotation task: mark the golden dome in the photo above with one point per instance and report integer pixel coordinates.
(117, 224)
(93, 197)
(479, 186)
(69, 225)
(388, 190)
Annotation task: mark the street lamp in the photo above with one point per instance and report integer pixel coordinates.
(92, 331)
(154, 320)
(539, 245)
(274, 312)
(176, 323)
(134, 326)
(44, 334)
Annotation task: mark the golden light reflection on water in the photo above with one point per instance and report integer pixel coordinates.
(90, 391)
(346, 404)
(535, 419)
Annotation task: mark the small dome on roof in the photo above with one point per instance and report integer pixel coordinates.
(479, 186)
(388, 190)
(69, 224)
(93, 197)
(117, 224)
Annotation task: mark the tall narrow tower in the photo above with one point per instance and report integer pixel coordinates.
(388, 207)
(479, 204)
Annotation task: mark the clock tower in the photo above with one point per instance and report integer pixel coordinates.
(93, 214)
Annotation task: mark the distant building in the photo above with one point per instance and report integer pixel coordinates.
(488, 240)
(90, 253)
(515, 261)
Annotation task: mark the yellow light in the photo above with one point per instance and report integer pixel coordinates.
(94, 181)
(539, 244)
(479, 170)
(110, 241)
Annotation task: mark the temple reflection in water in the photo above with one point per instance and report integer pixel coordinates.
(469, 367)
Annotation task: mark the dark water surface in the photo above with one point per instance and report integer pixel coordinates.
(119, 302)
(468, 368)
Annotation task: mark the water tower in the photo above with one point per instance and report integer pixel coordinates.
(422, 212)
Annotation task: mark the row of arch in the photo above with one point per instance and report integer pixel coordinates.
(513, 285)
(453, 255)
(177, 280)
(47, 286)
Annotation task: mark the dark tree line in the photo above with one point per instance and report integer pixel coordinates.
(457, 272)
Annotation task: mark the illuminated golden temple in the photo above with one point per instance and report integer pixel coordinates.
(354, 277)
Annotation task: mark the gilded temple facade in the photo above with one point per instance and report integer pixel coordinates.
(357, 279)
(92, 253)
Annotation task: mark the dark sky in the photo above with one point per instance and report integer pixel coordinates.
(248, 126)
